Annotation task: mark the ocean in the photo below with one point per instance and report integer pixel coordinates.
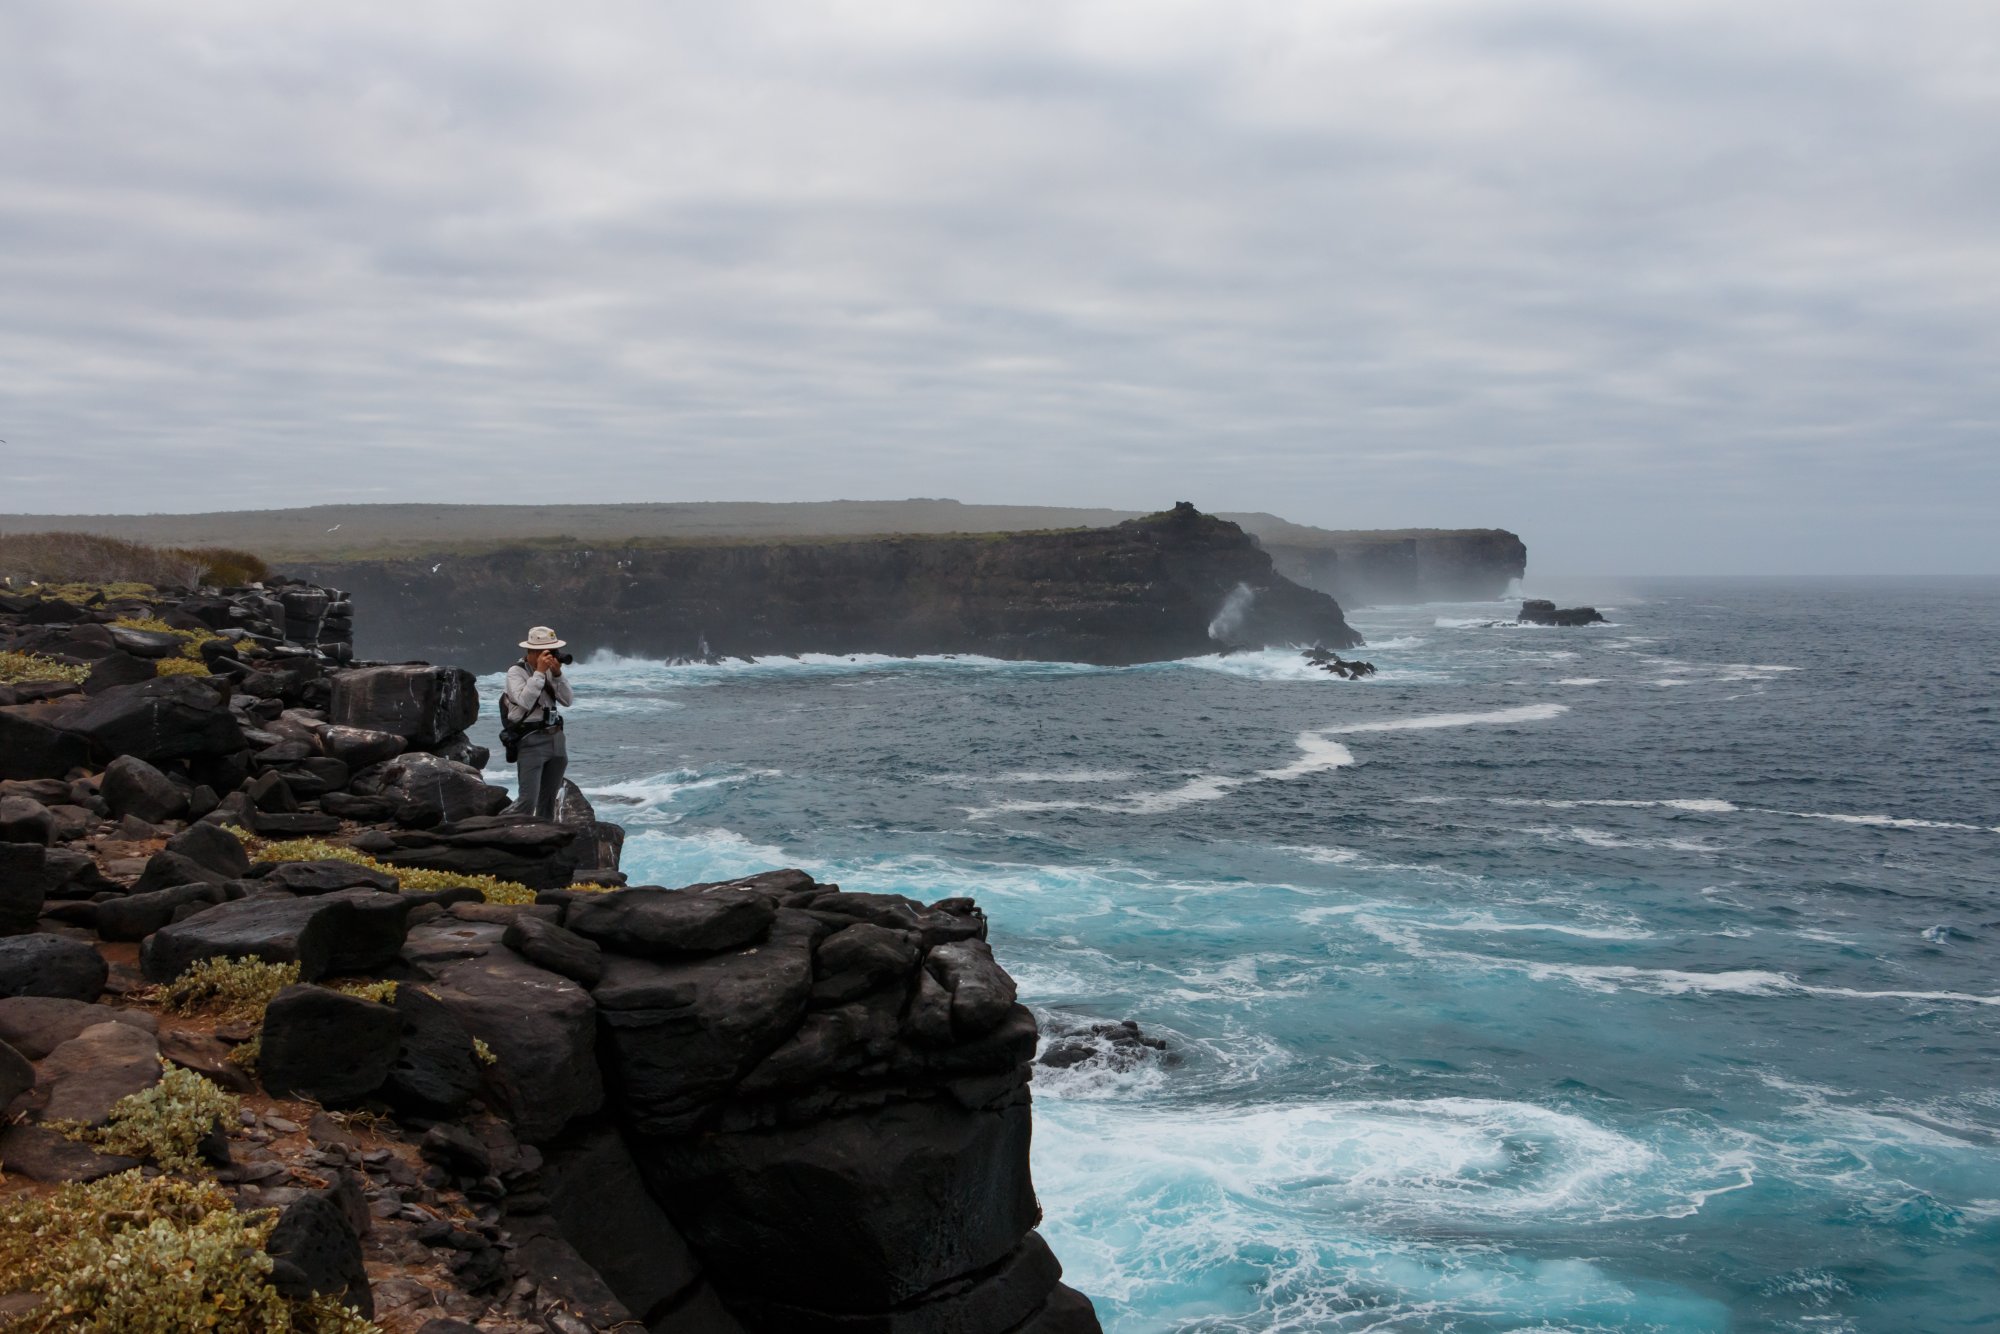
(1636, 977)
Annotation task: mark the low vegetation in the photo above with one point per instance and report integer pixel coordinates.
(85, 563)
(34, 667)
(383, 993)
(491, 888)
(221, 988)
(191, 640)
(164, 1124)
(133, 1255)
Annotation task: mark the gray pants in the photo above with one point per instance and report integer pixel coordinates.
(544, 760)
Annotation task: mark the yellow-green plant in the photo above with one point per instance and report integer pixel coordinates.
(383, 993)
(226, 988)
(132, 1255)
(34, 667)
(191, 640)
(484, 1052)
(491, 888)
(165, 1123)
(180, 667)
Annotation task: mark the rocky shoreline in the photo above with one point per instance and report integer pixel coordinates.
(260, 895)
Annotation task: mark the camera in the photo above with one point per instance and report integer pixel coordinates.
(564, 658)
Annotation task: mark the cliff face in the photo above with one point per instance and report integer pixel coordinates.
(1423, 565)
(759, 1106)
(1145, 590)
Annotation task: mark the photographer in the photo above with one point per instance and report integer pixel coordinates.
(535, 686)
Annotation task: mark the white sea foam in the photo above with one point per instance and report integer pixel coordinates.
(1887, 821)
(1026, 777)
(1524, 713)
(1581, 681)
(1704, 805)
(660, 789)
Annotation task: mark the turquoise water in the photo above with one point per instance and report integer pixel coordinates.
(1636, 977)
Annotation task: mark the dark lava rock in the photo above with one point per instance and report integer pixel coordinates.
(682, 1032)
(999, 1301)
(418, 702)
(542, 1030)
(1540, 611)
(982, 993)
(600, 1203)
(118, 669)
(360, 747)
(661, 923)
(37, 1025)
(426, 790)
(175, 717)
(133, 787)
(25, 820)
(41, 1154)
(17, 1076)
(352, 931)
(1117, 1046)
(435, 1072)
(144, 643)
(328, 877)
(856, 959)
(327, 1046)
(549, 946)
(31, 748)
(137, 916)
(512, 847)
(82, 1079)
(561, 1273)
(213, 847)
(46, 965)
(315, 1249)
(25, 883)
(164, 870)
(859, 1213)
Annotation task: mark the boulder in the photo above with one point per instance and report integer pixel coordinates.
(359, 747)
(326, 1046)
(599, 1202)
(213, 847)
(435, 1072)
(1002, 1300)
(41, 1154)
(131, 786)
(512, 847)
(416, 701)
(37, 1025)
(17, 1076)
(327, 877)
(165, 870)
(314, 1249)
(460, 749)
(82, 1079)
(1540, 611)
(857, 959)
(144, 643)
(351, 931)
(46, 965)
(174, 717)
(426, 790)
(25, 883)
(682, 1032)
(136, 916)
(546, 945)
(563, 1278)
(25, 820)
(30, 747)
(542, 1030)
(651, 922)
(982, 994)
(851, 1214)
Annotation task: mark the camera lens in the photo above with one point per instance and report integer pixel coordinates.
(565, 658)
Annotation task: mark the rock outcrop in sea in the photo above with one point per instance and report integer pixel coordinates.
(1540, 611)
(485, 1084)
(1146, 590)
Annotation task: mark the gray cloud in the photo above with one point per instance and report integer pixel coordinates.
(1665, 286)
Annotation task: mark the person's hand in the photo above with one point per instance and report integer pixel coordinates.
(544, 662)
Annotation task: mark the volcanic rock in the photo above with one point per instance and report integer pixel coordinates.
(326, 1046)
(351, 931)
(46, 965)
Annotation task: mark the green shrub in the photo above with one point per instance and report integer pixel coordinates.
(226, 988)
(128, 1255)
(34, 667)
(383, 993)
(165, 1123)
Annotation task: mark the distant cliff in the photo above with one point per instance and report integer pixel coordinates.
(1150, 589)
(1387, 566)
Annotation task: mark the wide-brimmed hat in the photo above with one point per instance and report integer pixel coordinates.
(542, 637)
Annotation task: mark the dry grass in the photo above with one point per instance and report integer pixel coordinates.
(86, 561)
(491, 888)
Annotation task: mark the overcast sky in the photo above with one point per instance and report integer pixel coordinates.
(1664, 285)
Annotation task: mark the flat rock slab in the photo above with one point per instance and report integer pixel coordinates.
(351, 931)
(41, 1154)
(82, 1079)
(661, 923)
(49, 965)
(327, 877)
(542, 1029)
(37, 1025)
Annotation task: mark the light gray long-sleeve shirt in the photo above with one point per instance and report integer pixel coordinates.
(529, 694)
